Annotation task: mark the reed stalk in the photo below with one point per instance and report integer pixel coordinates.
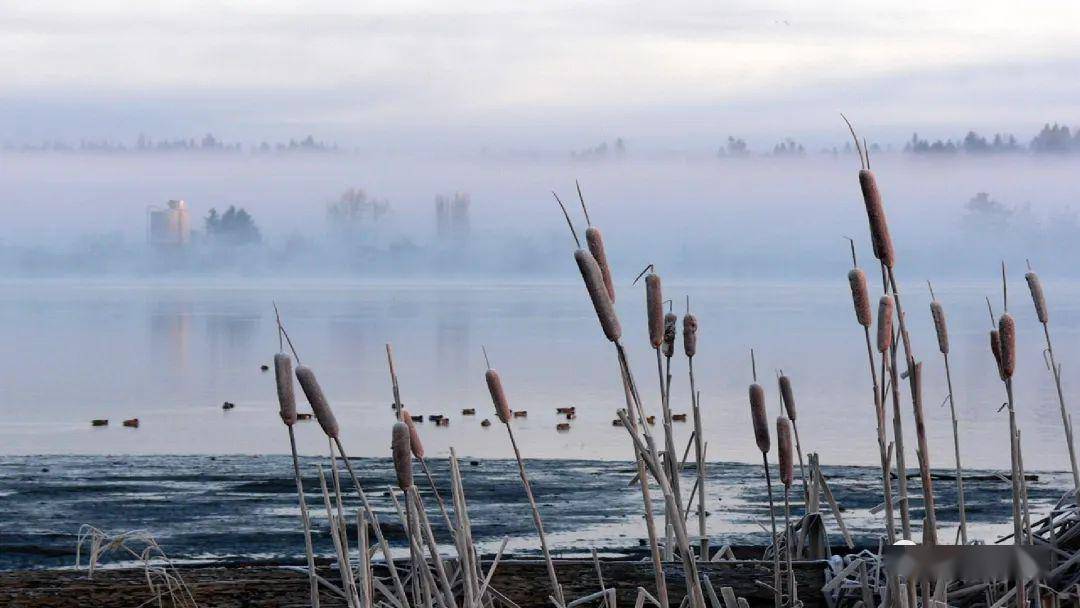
(759, 418)
(1043, 314)
(283, 376)
(941, 328)
(887, 347)
(787, 395)
(786, 466)
(502, 409)
(861, 300)
(923, 453)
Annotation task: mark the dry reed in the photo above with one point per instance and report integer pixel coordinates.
(860, 296)
(885, 325)
(787, 474)
(286, 396)
(930, 523)
(401, 446)
(318, 402)
(595, 241)
(937, 311)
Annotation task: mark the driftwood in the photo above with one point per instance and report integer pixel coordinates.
(525, 582)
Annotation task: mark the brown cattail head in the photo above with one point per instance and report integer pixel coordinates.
(759, 417)
(1007, 335)
(875, 212)
(498, 395)
(318, 402)
(654, 309)
(414, 435)
(689, 334)
(283, 374)
(595, 241)
(598, 293)
(401, 448)
(995, 349)
(1037, 296)
(784, 450)
(884, 324)
(787, 396)
(670, 323)
(938, 313)
(860, 296)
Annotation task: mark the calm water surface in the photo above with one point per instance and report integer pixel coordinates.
(170, 353)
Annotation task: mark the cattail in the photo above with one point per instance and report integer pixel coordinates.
(286, 396)
(885, 326)
(860, 296)
(1037, 296)
(995, 348)
(759, 417)
(595, 242)
(938, 313)
(1007, 335)
(498, 395)
(689, 334)
(598, 293)
(787, 396)
(654, 308)
(875, 212)
(670, 322)
(784, 450)
(401, 448)
(414, 435)
(318, 402)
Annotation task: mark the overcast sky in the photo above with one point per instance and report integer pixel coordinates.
(463, 76)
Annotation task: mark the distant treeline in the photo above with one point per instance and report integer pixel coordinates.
(1052, 139)
(207, 143)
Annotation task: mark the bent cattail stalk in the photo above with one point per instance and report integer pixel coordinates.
(784, 451)
(598, 293)
(654, 308)
(670, 323)
(318, 402)
(1037, 297)
(875, 213)
(759, 417)
(498, 396)
(885, 324)
(1007, 335)
(860, 296)
(401, 448)
(414, 435)
(283, 375)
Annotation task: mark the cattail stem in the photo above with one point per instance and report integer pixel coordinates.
(1064, 414)
(304, 517)
(670, 458)
(438, 498)
(433, 548)
(1017, 526)
(923, 453)
(650, 522)
(342, 555)
(879, 412)
(777, 596)
(956, 449)
(350, 582)
(699, 453)
(898, 438)
(788, 541)
(387, 555)
(556, 587)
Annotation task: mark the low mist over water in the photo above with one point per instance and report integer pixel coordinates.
(694, 215)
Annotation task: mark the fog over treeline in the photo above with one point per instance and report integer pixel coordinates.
(332, 215)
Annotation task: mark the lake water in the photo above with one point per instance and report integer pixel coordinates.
(171, 352)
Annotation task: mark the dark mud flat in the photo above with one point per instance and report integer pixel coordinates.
(240, 509)
(523, 582)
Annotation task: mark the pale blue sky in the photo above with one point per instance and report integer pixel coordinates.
(552, 76)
